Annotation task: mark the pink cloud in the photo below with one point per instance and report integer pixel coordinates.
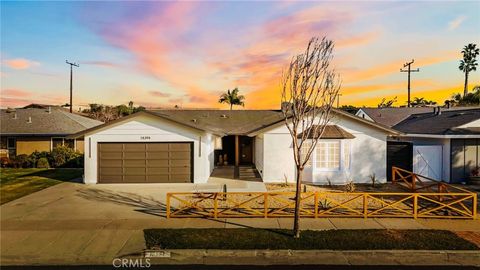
(100, 63)
(20, 63)
(158, 94)
(15, 93)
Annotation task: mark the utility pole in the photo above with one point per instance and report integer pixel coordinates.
(71, 83)
(338, 100)
(409, 70)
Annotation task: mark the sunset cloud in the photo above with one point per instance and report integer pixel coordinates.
(20, 63)
(455, 23)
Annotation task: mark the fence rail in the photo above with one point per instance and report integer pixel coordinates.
(322, 204)
(436, 200)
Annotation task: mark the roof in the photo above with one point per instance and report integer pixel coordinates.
(56, 122)
(229, 122)
(330, 132)
(446, 123)
(392, 116)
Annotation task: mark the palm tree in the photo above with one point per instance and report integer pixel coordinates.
(469, 62)
(232, 98)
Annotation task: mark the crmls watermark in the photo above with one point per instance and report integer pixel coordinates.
(131, 263)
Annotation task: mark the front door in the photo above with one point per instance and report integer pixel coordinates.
(427, 161)
(246, 150)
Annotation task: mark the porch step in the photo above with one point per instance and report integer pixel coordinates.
(248, 173)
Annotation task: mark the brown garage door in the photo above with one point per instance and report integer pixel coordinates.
(144, 163)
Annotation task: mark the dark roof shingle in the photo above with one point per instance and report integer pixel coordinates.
(56, 122)
(330, 132)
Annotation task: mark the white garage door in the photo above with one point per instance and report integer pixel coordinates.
(427, 161)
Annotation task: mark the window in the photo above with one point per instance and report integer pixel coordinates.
(56, 142)
(11, 143)
(328, 155)
(70, 143)
(305, 146)
(346, 154)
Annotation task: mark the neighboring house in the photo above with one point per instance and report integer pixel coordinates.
(440, 143)
(40, 128)
(175, 146)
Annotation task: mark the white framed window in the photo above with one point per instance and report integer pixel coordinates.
(328, 155)
(305, 146)
(59, 141)
(346, 154)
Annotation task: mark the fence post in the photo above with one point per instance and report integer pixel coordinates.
(474, 206)
(265, 205)
(415, 205)
(168, 205)
(394, 175)
(215, 205)
(316, 205)
(365, 205)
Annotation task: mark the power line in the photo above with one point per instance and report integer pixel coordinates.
(409, 70)
(71, 81)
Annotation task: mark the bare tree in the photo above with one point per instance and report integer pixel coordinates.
(309, 89)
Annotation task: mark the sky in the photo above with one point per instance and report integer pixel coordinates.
(162, 54)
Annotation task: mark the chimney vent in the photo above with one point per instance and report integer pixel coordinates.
(49, 110)
(15, 116)
(29, 120)
(434, 110)
(194, 120)
(223, 116)
(439, 110)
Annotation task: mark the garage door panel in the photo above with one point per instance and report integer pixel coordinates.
(134, 155)
(179, 147)
(109, 147)
(134, 163)
(111, 178)
(180, 155)
(144, 163)
(180, 178)
(157, 155)
(134, 147)
(111, 155)
(157, 171)
(116, 163)
(157, 147)
(179, 162)
(158, 163)
(135, 179)
(134, 171)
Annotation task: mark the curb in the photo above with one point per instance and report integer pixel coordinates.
(317, 257)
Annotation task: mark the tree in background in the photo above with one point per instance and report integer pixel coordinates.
(232, 98)
(349, 108)
(468, 63)
(387, 103)
(470, 99)
(107, 113)
(309, 89)
(421, 102)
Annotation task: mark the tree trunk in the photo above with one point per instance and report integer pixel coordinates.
(465, 88)
(231, 106)
(298, 195)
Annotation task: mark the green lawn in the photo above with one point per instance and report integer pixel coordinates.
(251, 238)
(16, 183)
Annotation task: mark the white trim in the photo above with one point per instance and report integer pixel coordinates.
(340, 159)
(471, 136)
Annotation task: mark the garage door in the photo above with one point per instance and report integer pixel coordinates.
(145, 162)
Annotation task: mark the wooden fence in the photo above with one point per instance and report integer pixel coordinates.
(436, 200)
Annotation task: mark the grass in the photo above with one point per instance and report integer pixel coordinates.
(16, 183)
(282, 239)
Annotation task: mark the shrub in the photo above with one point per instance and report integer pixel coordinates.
(63, 156)
(350, 187)
(43, 163)
(5, 162)
(21, 161)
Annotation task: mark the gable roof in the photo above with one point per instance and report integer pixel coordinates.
(330, 132)
(393, 116)
(226, 122)
(57, 121)
(446, 123)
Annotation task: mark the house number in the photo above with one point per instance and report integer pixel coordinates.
(145, 138)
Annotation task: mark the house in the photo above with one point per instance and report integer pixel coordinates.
(441, 143)
(40, 128)
(177, 146)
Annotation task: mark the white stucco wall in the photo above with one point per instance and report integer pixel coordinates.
(259, 153)
(146, 128)
(367, 155)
